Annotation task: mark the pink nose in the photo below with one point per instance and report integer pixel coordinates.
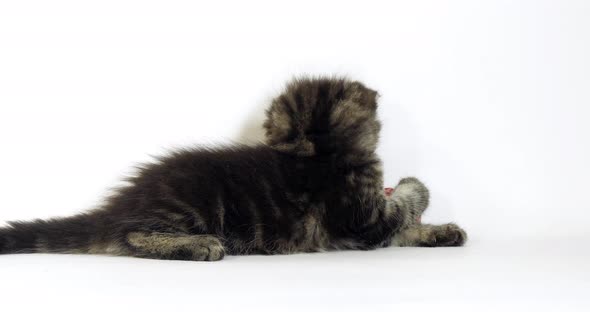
(388, 191)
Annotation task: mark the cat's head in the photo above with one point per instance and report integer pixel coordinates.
(323, 115)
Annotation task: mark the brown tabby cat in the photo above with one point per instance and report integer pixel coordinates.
(317, 184)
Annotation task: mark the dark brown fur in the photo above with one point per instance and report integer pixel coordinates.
(316, 185)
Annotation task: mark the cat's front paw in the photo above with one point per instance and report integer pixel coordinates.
(446, 235)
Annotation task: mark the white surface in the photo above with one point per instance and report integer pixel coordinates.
(486, 101)
(507, 276)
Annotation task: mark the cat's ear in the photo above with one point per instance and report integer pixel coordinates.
(364, 97)
(353, 119)
(285, 129)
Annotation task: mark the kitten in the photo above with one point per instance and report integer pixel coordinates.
(317, 184)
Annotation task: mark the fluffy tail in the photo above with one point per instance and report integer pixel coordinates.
(65, 235)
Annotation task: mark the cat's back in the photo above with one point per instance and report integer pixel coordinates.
(211, 163)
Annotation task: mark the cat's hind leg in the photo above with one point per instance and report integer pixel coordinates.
(428, 235)
(175, 246)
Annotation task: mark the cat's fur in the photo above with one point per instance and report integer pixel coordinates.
(316, 185)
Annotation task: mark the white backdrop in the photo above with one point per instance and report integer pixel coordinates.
(487, 101)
